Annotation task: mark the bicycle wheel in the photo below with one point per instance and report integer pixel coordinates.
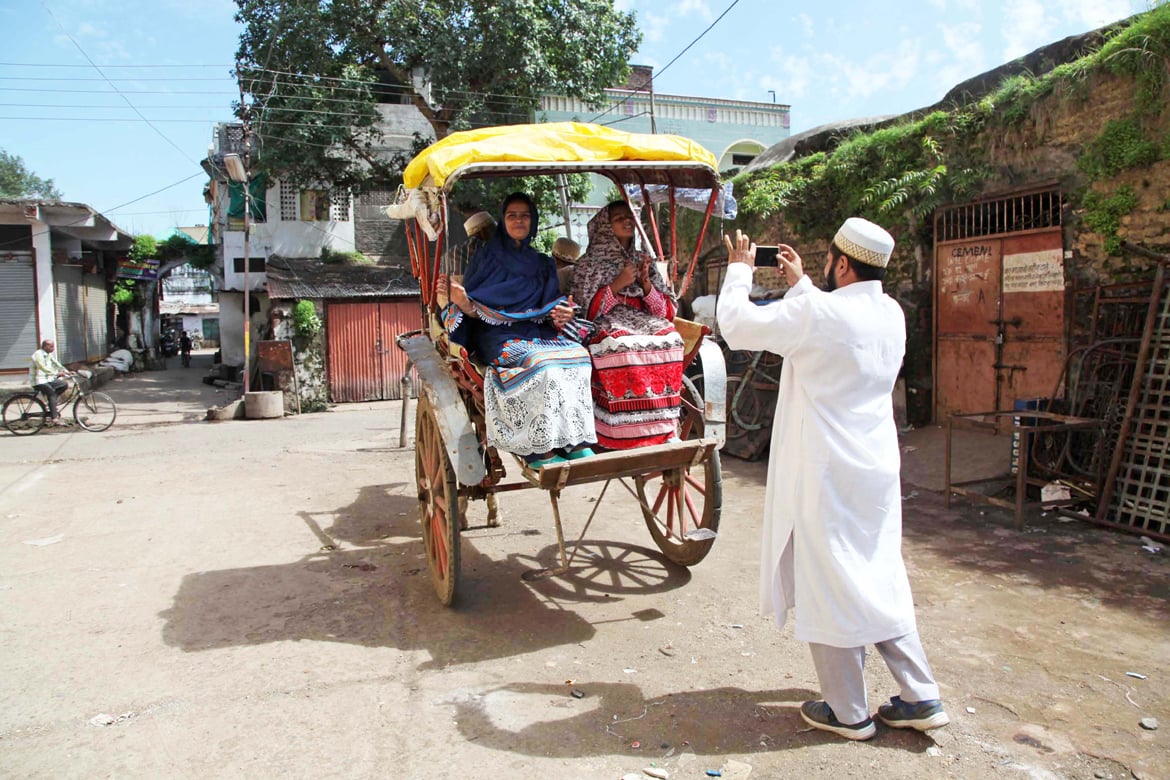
(95, 411)
(743, 404)
(24, 414)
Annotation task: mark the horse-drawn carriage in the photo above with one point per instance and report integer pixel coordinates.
(677, 485)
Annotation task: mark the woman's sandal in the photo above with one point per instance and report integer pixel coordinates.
(542, 462)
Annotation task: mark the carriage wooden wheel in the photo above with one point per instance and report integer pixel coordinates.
(681, 506)
(438, 503)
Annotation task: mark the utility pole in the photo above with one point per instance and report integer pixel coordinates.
(247, 230)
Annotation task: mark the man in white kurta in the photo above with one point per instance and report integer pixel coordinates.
(832, 535)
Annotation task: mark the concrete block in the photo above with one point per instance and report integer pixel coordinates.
(264, 404)
(233, 410)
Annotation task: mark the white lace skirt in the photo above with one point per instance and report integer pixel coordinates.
(537, 397)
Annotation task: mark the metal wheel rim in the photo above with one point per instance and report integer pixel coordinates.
(438, 504)
(20, 406)
(95, 412)
(674, 495)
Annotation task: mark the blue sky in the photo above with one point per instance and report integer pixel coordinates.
(116, 99)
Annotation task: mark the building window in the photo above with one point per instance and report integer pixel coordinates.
(339, 210)
(255, 265)
(314, 206)
(741, 159)
(288, 202)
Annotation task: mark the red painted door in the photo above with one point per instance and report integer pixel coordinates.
(999, 333)
(365, 363)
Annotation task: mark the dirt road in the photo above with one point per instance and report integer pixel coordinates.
(250, 599)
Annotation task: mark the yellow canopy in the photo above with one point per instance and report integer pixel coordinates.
(551, 142)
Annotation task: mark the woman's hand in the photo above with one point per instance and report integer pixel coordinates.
(562, 313)
(624, 279)
(445, 288)
(644, 276)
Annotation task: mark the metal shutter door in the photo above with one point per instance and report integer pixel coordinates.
(18, 311)
(69, 306)
(96, 331)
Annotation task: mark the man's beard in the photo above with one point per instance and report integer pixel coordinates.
(831, 279)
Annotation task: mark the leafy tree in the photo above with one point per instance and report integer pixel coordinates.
(17, 181)
(315, 70)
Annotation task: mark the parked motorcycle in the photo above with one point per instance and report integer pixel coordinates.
(169, 345)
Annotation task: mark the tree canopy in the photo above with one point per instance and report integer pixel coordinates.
(314, 71)
(17, 181)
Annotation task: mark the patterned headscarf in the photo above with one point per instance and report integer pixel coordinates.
(604, 258)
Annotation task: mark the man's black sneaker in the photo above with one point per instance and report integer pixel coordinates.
(819, 715)
(921, 715)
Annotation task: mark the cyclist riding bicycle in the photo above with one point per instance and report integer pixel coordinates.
(49, 377)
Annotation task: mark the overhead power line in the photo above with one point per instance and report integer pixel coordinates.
(89, 59)
(666, 67)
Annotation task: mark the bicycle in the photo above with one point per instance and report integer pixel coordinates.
(749, 391)
(26, 413)
(753, 378)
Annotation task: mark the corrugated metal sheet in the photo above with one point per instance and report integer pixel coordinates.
(364, 361)
(292, 278)
(69, 306)
(18, 310)
(96, 322)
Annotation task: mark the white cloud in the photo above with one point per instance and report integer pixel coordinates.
(790, 77)
(939, 4)
(807, 23)
(99, 44)
(1092, 14)
(880, 73)
(962, 55)
(1026, 25)
(697, 7)
(653, 26)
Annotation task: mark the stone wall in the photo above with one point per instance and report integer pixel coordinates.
(309, 392)
(378, 237)
(1044, 149)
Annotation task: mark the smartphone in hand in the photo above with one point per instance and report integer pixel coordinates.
(766, 256)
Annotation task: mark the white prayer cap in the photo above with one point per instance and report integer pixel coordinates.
(865, 242)
(477, 222)
(566, 250)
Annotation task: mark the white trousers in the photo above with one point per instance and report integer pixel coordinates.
(841, 671)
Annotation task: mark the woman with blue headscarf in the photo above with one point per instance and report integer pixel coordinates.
(509, 311)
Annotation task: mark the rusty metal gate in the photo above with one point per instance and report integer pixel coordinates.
(364, 363)
(999, 302)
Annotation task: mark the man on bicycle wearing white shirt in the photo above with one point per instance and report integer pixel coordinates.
(49, 376)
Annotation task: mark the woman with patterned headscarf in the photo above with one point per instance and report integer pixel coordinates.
(509, 311)
(637, 353)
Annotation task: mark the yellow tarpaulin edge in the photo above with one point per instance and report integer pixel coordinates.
(551, 142)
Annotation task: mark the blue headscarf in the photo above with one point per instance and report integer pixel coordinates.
(510, 278)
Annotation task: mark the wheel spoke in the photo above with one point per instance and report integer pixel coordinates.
(696, 515)
(661, 495)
